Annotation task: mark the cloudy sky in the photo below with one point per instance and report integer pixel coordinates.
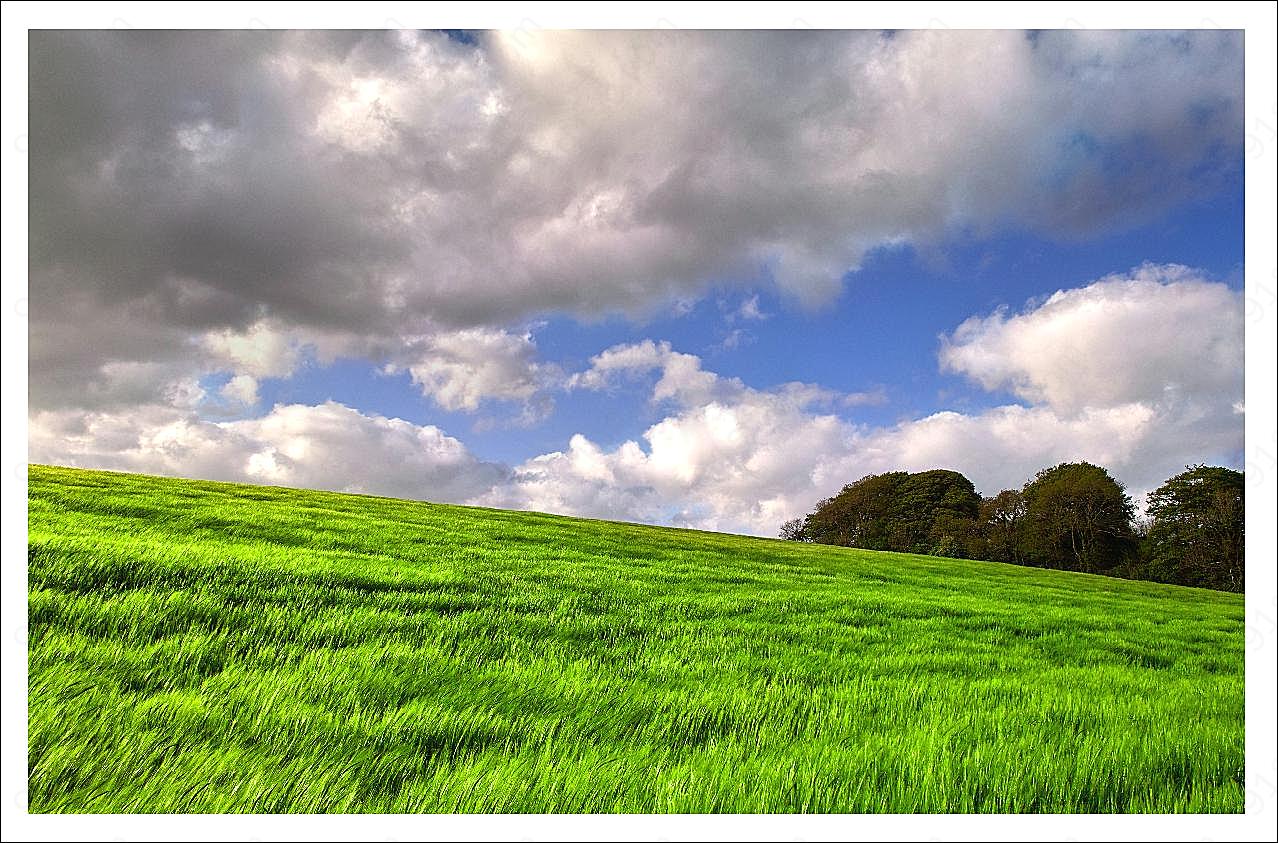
(690, 278)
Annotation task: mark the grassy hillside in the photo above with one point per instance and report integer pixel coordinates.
(210, 647)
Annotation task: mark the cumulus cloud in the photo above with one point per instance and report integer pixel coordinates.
(682, 378)
(241, 389)
(735, 458)
(328, 446)
(261, 351)
(727, 456)
(384, 186)
(462, 368)
(1075, 349)
(743, 463)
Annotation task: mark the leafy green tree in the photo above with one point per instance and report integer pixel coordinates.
(1078, 518)
(1195, 534)
(936, 513)
(860, 515)
(792, 531)
(1002, 526)
(928, 512)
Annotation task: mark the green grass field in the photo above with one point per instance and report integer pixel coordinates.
(210, 647)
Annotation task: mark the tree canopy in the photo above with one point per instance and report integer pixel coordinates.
(1196, 529)
(1072, 516)
(1078, 518)
(928, 512)
(1002, 528)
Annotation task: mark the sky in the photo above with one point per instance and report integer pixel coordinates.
(693, 278)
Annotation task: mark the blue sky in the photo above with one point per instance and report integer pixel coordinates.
(880, 334)
(697, 278)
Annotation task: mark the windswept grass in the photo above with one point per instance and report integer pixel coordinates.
(210, 647)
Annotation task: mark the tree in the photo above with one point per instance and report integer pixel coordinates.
(1195, 534)
(927, 512)
(1002, 523)
(1078, 518)
(936, 513)
(859, 515)
(792, 531)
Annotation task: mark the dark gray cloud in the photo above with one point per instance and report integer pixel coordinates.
(365, 190)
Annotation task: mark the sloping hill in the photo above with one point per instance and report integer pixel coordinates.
(211, 647)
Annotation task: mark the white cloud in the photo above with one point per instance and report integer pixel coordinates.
(875, 397)
(460, 369)
(328, 446)
(682, 378)
(749, 464)
(730, 457)
(743, 466)
(241, 389)
(735, 458)
(1002, 447)
(262, 350)
(750, 311)
(1158, 334)
(747, 311)
(734, 339)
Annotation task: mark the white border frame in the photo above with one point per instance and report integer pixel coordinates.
(1261, 429)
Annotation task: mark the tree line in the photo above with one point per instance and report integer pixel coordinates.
(1073, 517)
